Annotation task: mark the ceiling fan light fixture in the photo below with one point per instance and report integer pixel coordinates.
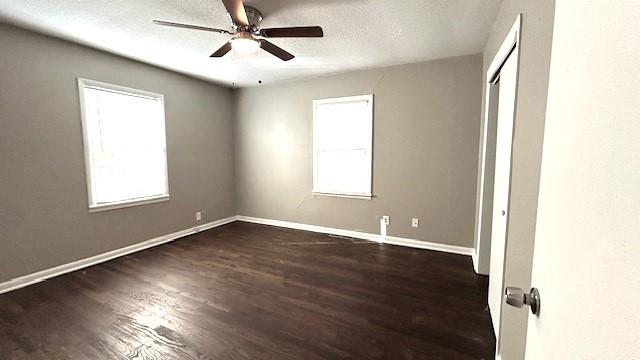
(245, 45)
(245, 22)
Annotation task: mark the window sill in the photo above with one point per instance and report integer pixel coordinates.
(128, 203)
(348, 196)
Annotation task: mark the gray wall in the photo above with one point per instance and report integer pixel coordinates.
(426, 125)
(425, 149)
(533, 81)
(44, 219)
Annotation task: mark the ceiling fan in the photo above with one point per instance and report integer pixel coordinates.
(247, 34)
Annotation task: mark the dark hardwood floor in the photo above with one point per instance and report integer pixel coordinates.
(246, 291)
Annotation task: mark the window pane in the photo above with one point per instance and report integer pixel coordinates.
(342, 146)
(343, 125)
(126, 145)
(343, 171)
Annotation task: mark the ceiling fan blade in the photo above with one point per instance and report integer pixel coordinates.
(235, 8)
(300, 31)
(222, 51)
(187, 26)
(276, 50)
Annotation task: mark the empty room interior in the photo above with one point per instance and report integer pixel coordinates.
(320, 179)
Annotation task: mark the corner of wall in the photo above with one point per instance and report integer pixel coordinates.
(235, 139)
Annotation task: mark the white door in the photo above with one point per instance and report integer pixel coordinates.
(586, 262)
(504, 136)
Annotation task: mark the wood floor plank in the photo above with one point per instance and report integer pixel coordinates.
(248, 291)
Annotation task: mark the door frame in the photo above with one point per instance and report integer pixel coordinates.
(510, 46)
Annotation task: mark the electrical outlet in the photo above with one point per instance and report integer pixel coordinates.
(386, 219)
(198, 215)
(414, 222)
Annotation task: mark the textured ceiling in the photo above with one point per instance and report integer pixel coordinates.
(358, 33)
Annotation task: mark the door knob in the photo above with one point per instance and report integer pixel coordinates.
(516, 297)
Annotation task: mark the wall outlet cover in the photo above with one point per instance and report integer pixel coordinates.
(414, 222)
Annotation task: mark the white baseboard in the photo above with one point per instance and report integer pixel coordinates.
(420, 244)
(474, 257)
(312, 228)
(93, 260)
(79, 264)
(393, 240)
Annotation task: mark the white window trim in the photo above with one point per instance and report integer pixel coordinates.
(86, 83)
(345, 195)
(365, 196)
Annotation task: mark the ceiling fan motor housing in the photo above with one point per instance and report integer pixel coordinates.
(253, 15)
(247, 34)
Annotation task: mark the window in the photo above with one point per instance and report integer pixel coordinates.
(124, 144)
(342, 139)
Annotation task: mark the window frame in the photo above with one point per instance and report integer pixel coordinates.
(344, 194)
(94, 207)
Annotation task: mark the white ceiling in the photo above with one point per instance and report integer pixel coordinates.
(358, 33)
